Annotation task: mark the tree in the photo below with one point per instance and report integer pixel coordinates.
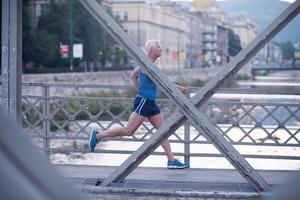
(234, 46)
(88, 32)
(287, 49)
(27, 34)
(59, 22)
(52, 29)
(1, 34)
(45, 49)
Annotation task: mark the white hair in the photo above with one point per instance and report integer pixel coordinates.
(151, 43)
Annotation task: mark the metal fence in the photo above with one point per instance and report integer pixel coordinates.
(61, 123)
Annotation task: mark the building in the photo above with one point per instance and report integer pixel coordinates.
(244, 28)
(219, 15)
(222, 43)
(209, 39)
(38, 6)
(270, 54)
(194, 27)
(204, 5)
(195, 46)
(144, 20)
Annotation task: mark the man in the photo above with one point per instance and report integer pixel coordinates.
(144, 106)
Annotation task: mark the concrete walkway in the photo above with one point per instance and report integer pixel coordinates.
(161, 183)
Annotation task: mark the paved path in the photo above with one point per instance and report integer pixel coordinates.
(161, 183)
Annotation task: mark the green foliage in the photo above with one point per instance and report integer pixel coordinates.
(198, 83)
(54, 26)
(1, 15)
(261, 72)
(28, 34)
(82, 116)
(32, 116)
(105, 117)
(60, 23)
(94, 108)
(241, 77)
(54, 127)
(191, 83)
(234, 43)
(287, 49)
(131, 93)
(88, 32)
(182, 82)
(72, 107)
(116, 108)
(44, 56)
(119, 57)
(111, 93)
(60, 116)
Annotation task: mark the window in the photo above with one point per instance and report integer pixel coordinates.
(125, 16)
(117, 15)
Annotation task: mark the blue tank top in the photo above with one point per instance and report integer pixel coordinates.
(147, 88)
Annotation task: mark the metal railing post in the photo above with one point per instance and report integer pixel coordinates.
(46, 121)
(11, 54)
(187, 139)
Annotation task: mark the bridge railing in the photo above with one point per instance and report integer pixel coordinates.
(61, 123)
(266, 70)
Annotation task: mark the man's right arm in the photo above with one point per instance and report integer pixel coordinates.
(134, 78)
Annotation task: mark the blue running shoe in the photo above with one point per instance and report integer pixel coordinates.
(176, 164)
(93, 140)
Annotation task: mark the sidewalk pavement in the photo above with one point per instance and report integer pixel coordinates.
(161, 183)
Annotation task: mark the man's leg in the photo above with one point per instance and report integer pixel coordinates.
(157, 121)
(134, 122)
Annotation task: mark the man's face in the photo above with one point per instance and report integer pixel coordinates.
(157, 50)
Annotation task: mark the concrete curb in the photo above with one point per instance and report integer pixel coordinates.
(169, 193)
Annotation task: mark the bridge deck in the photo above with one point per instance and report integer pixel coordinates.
(161, 181)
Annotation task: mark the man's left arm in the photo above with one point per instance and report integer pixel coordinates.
(183, 89)
(134, 78)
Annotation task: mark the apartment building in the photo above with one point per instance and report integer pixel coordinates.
(144, 20)
(244, 28)
(269, 54)
(222, 43)
(204, 5)
(209, 39)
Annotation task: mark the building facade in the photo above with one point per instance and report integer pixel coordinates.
(194, 28)
(270, 54)
(204, 5)
(222, 43)
(144, 20)
(195, 47)
(209, 39)
(244, 28)
(38, 7)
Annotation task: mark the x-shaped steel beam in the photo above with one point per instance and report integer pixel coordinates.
(186, 108)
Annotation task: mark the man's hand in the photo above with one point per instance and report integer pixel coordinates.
(184, 90)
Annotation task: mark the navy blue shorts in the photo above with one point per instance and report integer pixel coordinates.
(145, 107)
